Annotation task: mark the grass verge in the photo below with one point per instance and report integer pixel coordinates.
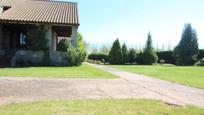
(99, 107)
(187, 75)
(84, 71)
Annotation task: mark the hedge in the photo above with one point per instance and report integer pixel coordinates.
(98, 57)
(166, 56)
(201, 54)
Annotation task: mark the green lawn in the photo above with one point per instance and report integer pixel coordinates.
(98, 107)
(84, 71)
(188, 75)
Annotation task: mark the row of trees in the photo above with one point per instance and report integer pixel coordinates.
(118, 55)
(185, 53)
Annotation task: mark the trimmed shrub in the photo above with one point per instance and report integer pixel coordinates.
(132, 55)
(166, 57)
(63, 45)
(75, 56)
(98, 57)
(115, 55)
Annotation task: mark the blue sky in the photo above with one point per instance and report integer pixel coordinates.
(102, 21)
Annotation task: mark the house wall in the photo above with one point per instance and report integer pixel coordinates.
(26, 57)
(58, 58)
(74, 35)
(36, 58)
(5, 39)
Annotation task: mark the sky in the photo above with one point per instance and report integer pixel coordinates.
(102, 21)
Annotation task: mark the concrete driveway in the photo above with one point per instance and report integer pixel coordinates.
(128, 86)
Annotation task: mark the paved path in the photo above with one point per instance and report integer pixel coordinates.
(160, 89)
(129, 85)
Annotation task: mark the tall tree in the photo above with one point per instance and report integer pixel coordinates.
(150, 56)
(115, 54)
(187, 50)
(125, 53)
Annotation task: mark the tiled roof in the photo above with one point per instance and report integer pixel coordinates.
(42, 11)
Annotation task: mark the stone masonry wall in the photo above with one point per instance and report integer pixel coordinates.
(35, 58)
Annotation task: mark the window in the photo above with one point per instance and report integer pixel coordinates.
(61, 38)
(22, 39)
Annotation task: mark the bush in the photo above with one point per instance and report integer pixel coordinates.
(149, 58)
(166, 56)
(146, 58)
(132, 56)
(98, 57)
(200, 63)
(75, 56)
(115, 55)
(63, 45)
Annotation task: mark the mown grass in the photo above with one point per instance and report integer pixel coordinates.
(187, 75)
(98, 107)
(84, 71)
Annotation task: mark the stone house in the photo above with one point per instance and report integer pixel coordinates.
(18, 16)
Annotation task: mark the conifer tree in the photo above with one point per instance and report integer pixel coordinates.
(115, 54)
(186, 51)
(150, 56)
